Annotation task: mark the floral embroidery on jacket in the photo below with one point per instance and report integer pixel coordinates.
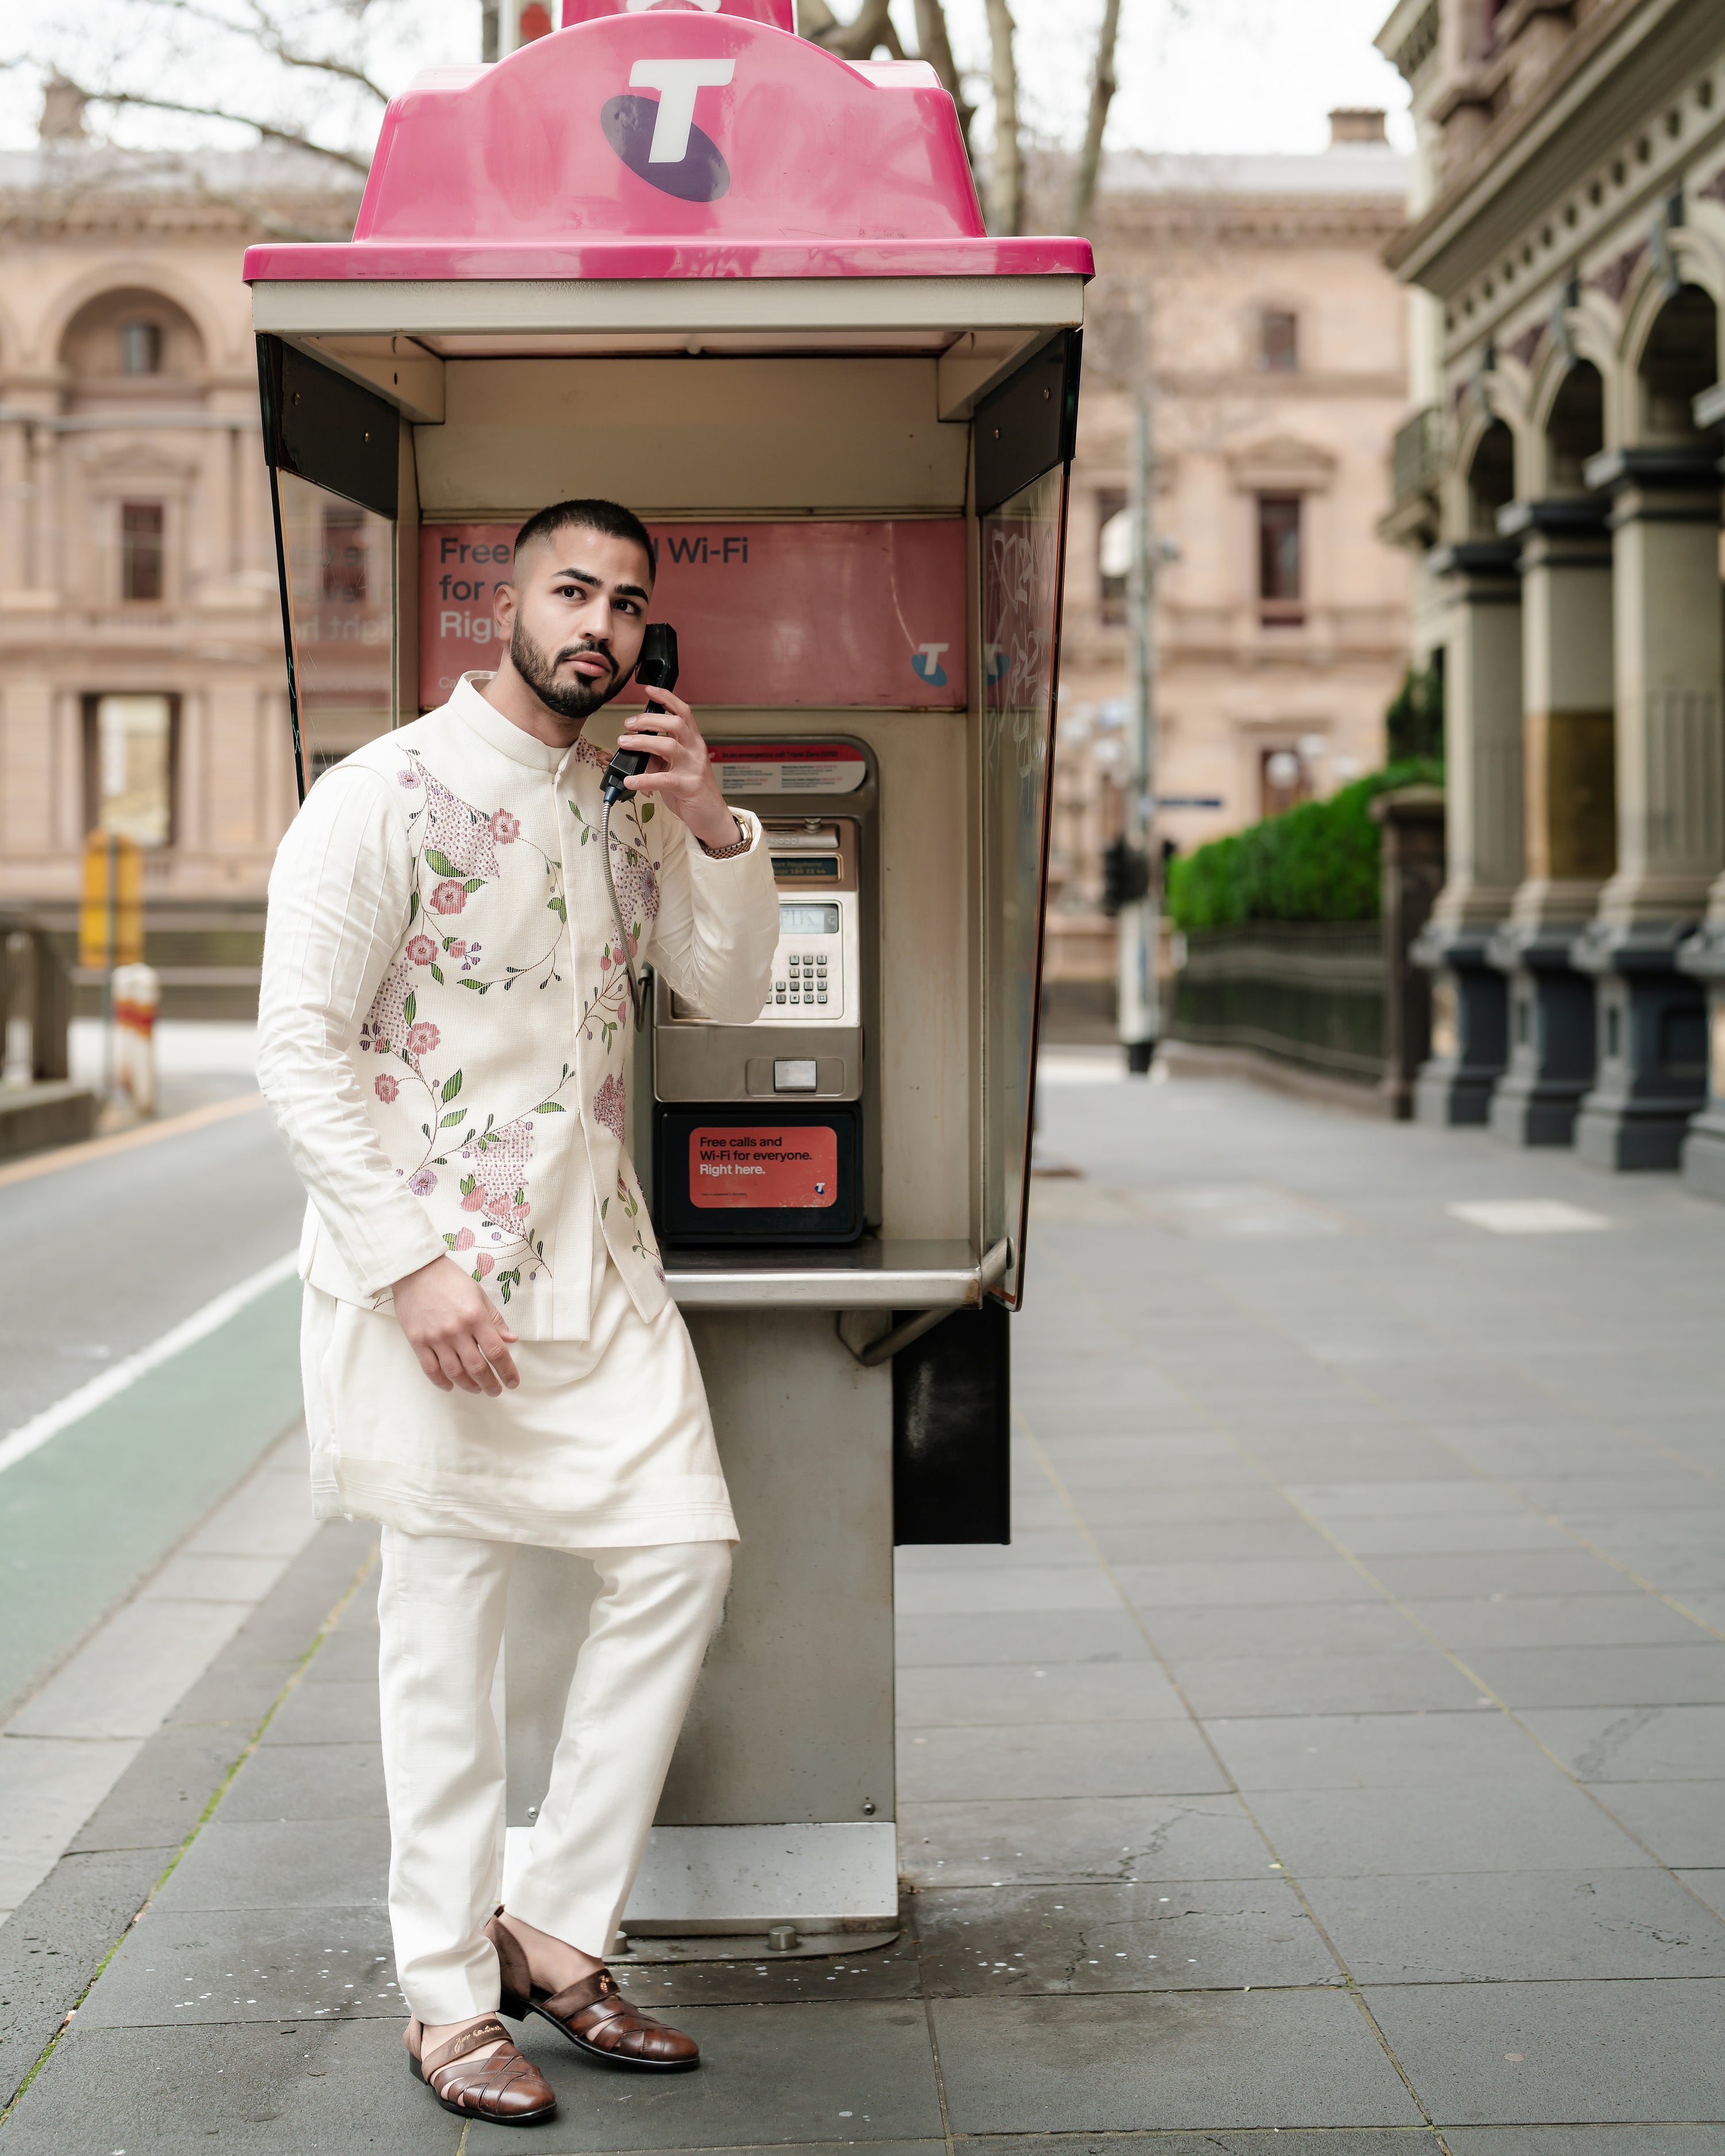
(608, 1106)
(470, 906)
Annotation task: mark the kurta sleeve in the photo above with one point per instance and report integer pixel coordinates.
(718, 924)
(339, 896)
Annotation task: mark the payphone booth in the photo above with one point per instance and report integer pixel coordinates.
(682, 257)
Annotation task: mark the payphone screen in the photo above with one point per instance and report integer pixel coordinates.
(808, 920)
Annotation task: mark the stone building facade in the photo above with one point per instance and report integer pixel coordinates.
(141, 683)
(1560, 486)
(1276, 344)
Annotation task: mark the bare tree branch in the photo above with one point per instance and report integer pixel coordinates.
(1102, 86)
(274, 39)
(936, 47)
(858, 40)
(268, 129)
(1006, 164)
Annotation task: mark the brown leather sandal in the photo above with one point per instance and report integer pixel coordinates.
(504, 2089)
(593, 2014)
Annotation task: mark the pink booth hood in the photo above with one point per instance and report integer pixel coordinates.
(671, 143)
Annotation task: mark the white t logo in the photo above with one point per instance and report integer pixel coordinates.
(676, 82)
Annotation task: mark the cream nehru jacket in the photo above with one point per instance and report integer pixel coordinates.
(443, 1024)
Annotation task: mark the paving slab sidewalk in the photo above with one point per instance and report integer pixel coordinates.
(1333, 1764)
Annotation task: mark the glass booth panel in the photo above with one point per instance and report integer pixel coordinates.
(1023, 552)
(338, 579)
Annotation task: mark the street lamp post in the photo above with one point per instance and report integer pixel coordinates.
(1138, 922)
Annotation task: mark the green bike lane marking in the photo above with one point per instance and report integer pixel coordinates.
(88, 1511)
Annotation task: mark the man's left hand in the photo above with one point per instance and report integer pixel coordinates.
(681, 772)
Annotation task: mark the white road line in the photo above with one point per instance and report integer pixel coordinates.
(20, 1443)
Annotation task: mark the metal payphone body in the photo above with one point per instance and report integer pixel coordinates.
(606, 265)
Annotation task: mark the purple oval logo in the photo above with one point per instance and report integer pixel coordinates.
(701, 174)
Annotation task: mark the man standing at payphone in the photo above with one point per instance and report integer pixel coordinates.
(490, 1356)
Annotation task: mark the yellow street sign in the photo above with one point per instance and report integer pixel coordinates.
(110, 921)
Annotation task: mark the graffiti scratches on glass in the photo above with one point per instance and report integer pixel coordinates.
(1019, 573)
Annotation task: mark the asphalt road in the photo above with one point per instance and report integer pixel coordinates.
(102, 1258)
(99, 1260)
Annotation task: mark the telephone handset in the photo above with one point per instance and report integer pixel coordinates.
(656, 669)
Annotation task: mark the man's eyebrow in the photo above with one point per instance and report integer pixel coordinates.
(595, 583)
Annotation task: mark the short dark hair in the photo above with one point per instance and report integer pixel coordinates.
(609, 517)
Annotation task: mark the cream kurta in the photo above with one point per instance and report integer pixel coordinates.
(444, 1038)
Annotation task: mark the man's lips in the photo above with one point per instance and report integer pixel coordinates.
(593, 663)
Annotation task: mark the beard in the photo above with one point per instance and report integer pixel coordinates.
(576, 700)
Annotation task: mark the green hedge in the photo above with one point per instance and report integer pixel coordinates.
(1317, 862)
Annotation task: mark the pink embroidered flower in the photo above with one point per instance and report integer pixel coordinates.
(449, 896)
(384, 1086)
(604, 962)
(464, 1239)
(456, 950)
(410, 777)
(423, 1037)
(482, 1264)
(422, 949)
(506, 829)
(608, 1106)
(381, 1044)
(473, 1200)
(422, 1185)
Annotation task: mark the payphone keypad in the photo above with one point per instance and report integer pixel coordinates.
(804, 974)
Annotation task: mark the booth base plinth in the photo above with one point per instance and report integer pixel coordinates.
(647, 1950)
(837, 1876)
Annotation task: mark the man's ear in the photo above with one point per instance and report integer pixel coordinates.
(503, 606)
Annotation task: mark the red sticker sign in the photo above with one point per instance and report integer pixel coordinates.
(779, 1167)
(869, 611)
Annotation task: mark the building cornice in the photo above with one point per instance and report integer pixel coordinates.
(1614, 71)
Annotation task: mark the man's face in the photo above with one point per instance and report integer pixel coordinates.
(575, 615)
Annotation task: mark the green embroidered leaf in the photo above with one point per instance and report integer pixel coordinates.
(450, 1241)
(468, 1184)
(479, 987)
(646, 812)
(413, 906)
(456, 1115)
(437, 975)
(551, 1108)
(605, 1207)
(474, 883)
(503, 1282)
(440, 863)
(409, 1007)
(556, 905)
(452, 1085)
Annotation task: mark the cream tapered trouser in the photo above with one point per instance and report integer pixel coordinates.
(441, 1611)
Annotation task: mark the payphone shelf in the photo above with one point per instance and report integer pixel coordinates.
(896, 1274)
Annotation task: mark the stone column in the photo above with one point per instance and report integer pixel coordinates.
(1570, 803)
(1482, 754)
(1412, 819)
(1670, 636)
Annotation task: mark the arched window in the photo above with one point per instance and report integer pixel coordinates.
(1490, 481)
(1681, 359)
(1576, 429)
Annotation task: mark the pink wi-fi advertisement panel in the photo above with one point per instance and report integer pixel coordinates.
(868, 613)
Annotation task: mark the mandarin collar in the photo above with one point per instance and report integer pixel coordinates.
(503, 734)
